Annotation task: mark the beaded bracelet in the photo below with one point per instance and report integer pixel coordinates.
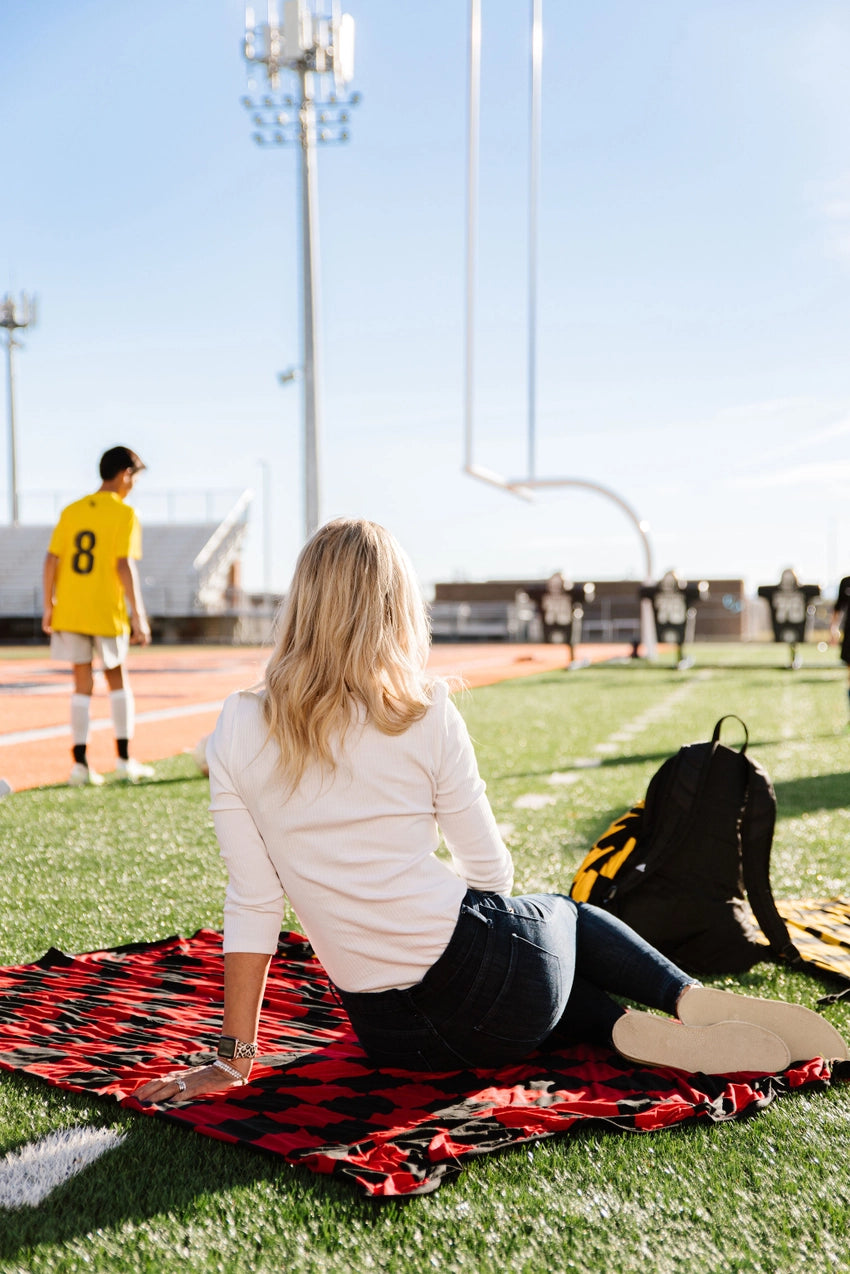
(230, 1070)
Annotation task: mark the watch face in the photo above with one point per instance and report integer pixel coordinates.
(226, 1046)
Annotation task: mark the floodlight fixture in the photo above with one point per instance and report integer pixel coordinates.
(14, 319)
(317, 50)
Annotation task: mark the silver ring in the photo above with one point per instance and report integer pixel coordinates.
(181, 1085)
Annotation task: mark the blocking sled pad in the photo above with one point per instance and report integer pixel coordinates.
(105, 1021)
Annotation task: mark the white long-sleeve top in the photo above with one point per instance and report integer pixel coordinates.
(353, 849)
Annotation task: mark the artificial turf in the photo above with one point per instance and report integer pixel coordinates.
(92, 868)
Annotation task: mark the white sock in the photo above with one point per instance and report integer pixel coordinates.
(122, 706)
(80, 705)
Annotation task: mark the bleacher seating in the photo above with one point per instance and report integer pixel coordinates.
(170, 581)
(475, 621)
(22, 550)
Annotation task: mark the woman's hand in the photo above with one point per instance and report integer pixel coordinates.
(186, 1085)
(244, 980)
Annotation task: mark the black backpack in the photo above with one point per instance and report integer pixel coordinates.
(680, 866)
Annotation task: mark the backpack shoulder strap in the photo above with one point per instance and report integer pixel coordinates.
(672, 799)
(757, 824)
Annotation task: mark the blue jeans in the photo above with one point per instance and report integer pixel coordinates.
(517, 973)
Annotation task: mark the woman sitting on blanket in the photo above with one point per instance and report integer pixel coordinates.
(331, 785)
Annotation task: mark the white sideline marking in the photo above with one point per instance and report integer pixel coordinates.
(29, 1175)
(607, 747)
(29, 689)
(533, 801)
(61, 731)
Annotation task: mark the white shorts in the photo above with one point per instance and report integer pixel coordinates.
(80, 648)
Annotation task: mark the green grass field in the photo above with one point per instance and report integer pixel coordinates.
(88, 869)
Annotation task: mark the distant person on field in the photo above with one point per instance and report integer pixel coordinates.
(841, 621)
(93, 603)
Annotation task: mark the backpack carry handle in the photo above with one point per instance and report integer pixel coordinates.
(730, 716)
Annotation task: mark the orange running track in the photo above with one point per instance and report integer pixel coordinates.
(179, 692)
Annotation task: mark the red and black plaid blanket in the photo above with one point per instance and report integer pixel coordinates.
(105, 1021)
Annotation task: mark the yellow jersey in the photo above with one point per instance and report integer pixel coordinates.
(89, 538)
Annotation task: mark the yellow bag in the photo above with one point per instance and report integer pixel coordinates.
(593, 880)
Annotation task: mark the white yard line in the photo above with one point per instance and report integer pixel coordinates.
(612, 745)
(562, 778)
(29, 1175)
(625, 733)
(533, 801)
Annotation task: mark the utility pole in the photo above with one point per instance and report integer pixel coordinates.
(317, 52)
(12, 320)
(267, 526)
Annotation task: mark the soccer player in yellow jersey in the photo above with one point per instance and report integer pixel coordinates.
(93, 603)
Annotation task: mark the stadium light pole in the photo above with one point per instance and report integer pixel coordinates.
(11, 320)
(267, 524)
(317, 51)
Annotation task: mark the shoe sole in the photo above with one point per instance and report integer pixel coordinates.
(805, 1032)
(721, 1048)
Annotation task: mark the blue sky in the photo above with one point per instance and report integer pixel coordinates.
(694, 291)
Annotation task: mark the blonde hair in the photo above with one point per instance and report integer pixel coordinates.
(353, 632)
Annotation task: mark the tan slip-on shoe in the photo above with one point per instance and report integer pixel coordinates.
(806, 1033)
(722, 1048)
